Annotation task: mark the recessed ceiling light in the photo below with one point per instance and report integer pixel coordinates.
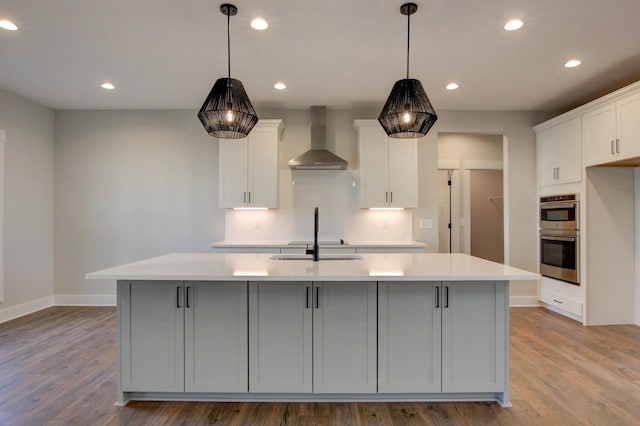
(107, 86)
(452, 86)
(280, 85)
(514, 24)
(572, 63)
(259, 24)
(8, 25)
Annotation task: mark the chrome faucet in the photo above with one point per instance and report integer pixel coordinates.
(316, 248)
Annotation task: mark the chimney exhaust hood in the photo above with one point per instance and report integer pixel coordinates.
(318, 157)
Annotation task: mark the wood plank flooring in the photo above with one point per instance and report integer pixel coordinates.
(58, 367)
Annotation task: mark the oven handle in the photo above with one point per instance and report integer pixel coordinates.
(558, 204)
(557, 238)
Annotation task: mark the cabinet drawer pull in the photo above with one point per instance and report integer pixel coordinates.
(178, 305)
(557, 301)
(446, 296)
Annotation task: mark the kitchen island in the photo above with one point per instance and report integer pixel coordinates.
(371, 327)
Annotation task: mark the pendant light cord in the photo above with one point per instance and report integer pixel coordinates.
(408, 28)
(228, 46)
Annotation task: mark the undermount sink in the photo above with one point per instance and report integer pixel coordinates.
(322, 257)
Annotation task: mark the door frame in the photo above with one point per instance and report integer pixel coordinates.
(3, 138)
(454, 166)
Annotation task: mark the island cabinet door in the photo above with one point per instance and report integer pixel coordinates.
(216, 337)
(280, 337)
(151, 326)
(409, 332)
(474, 337)
(344, 337)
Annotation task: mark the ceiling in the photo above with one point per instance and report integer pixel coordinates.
(166, 54)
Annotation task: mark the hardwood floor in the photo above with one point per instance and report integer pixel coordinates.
(58, 367)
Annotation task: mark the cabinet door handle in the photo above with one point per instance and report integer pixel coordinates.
(188, 301)
(307, 302)
(317, 297)
(613, 150)
(446, 296)
(618, 146)
(249, 197)
(386, 197)
(437, 289)
(391, 198)
(178, 304)
(558, 173)
(245, 197)
(557, 301)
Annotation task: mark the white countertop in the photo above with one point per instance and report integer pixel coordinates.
(260, 267)
(349, 244)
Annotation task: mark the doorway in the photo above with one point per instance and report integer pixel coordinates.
(486, 218)
(471, 215)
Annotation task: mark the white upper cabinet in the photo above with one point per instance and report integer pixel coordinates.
(388, 168)
(249, 168)
(612, 132)
(559, 153)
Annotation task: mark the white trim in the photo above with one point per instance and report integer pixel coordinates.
(27, 308)
(3, 138)
(448, 164)
(85, 300)
(485, 164)
(505, 200)
(523, 301)
(636, 189)
(466, 247)
(562, 312)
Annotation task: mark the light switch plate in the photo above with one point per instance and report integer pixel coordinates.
(426, 223)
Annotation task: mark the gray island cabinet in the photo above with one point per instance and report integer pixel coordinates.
(244, 327)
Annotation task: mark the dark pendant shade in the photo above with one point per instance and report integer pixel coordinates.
(407, 113)
(227, 112)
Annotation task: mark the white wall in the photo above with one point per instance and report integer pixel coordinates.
(134, 184)
(129, 185)
(28, 205)
(520, 175)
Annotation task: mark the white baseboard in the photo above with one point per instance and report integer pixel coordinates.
(17, 311)
(85, 300)
(523, 301)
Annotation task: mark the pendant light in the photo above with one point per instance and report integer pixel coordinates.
(227, 112)
(407, 112)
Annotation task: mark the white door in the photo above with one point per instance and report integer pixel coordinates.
(151, 328)
(280, 337)
(599, 135)
(473, 316)
(344, 337)
(409, 333)
(263, 167)
(374, 173)
(629, 127)
(216, 337)
(232, 188)
(403, 173)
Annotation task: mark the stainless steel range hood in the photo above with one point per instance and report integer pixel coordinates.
(318, 157)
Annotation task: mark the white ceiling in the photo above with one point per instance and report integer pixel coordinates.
(166, 54)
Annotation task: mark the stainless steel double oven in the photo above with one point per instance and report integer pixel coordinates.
(559, 237)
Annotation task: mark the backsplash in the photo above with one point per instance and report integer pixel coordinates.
(335, 193)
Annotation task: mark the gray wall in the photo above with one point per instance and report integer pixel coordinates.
(28, 200)
(130, 185)
(134, 184)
